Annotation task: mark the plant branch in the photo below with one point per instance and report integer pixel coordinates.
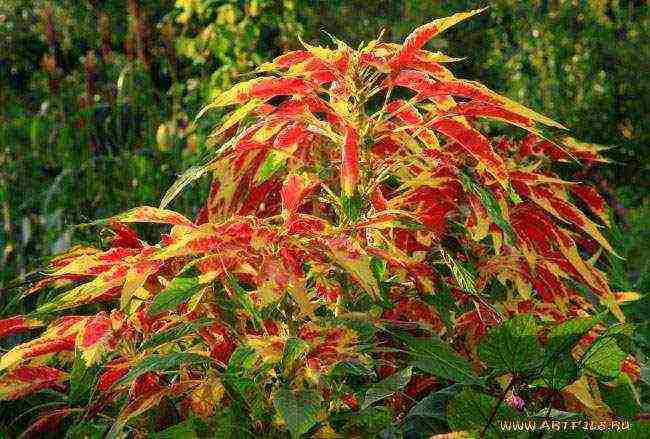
(497, 405)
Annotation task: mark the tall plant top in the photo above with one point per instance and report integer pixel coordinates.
(365, 254)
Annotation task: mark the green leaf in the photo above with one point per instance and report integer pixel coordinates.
(387, 387)
(563, 337)
(162, 363)
(179, 431)
(175, 333)
(351, 368)
(513, 346)
(621, 398)
(294, 350)
(490, 204)
(244, 300)
(560, 372)
(603, 358)
(298, 411)
(432, 405)
(242, 361)
(82, 380)
(178, 291)
(444, 303)
(273, 162)
(370, 421)
(86, 430)
(431, 355)
(352, 206)
(471, 410)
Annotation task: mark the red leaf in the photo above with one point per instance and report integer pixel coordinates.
(111, 375)
(17, 324)
(592, 199)
(474, 143)
(424, 33)
(49, 422)
(294, 190)
(271, 87)
(350, 162)
(27, 380)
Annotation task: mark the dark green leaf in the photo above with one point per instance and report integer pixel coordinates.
(369, 422)
(621, 398)
(563, 337)
(244, 300)
(513, 346)
(175, 333)
(560, 372)
(471, 410)
(184, 430)
(433, 404)
(432, 356)
(178, 291)
(162, 363)
(352, 206)
(298, 411)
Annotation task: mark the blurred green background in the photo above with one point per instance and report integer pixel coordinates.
(97, 97)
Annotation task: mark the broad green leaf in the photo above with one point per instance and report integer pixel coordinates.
(295, 348)
(298, 411)
(433, 404)
(622, 398)
(563, 337)
(175, 333)
(371, 421)
(603, 358)
(86, 430)
(433, 356)
(387, 387)
(178, 291)
(471, 410)
(161, 363)
(557, 415)
(513, 346)
(560, 371)
(352, 368)
(241, 360)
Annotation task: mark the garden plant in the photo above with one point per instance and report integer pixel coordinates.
(367, 264)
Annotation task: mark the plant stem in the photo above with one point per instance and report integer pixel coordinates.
(496, 407)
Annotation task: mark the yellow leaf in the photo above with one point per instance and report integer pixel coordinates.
(235, 117)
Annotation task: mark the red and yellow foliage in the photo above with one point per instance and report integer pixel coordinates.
(353, 195)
